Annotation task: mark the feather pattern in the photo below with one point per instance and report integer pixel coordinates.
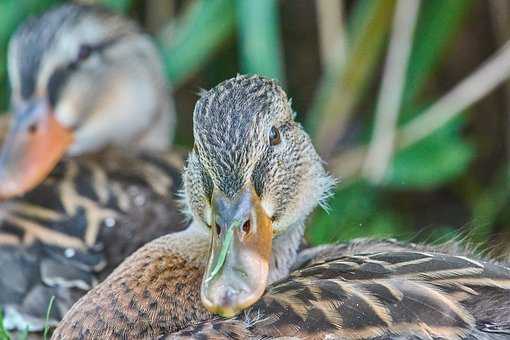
(78, 225)
(385, 295)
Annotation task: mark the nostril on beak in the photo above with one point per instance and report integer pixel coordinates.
(247, 227)
(228, 296)
(218, 229)
(32, 128)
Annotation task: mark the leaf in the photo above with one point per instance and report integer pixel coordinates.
(358, 212)
(47, 320)
(4, 334)
(260, 44)
(196, 35)
(431, 162)
(438, 22)
(117, 5)
(491, 203)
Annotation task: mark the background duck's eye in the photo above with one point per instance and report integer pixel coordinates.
(84, 52)
(274, 136)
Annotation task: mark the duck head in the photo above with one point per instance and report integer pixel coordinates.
(82, 79)
(253, 174)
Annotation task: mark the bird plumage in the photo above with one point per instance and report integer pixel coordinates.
(365, 289)
(72, 230)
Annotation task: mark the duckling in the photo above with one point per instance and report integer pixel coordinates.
(250, 182)
(88, 90)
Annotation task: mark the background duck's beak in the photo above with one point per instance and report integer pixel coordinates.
(35, 143)
(238, 266)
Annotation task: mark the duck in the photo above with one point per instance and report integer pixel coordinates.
(87, 172)
(240, 269)
(82, 79)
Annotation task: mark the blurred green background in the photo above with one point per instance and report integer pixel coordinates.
(405, 100)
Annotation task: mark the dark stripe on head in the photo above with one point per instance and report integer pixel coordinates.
(56, 83)
(35, 37)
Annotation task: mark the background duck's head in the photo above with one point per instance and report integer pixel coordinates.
(252, 175)
(82, 78)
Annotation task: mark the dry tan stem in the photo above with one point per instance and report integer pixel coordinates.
(331, 30)
(486, 78)
(392, 87)
(500, 12)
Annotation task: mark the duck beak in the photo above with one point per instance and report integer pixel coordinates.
(35, 143)
(238, 266)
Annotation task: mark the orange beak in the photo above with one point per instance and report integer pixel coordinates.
(238, 266)
(35, 143)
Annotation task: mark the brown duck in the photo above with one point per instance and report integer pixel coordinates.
(249, 183)
(87, 90)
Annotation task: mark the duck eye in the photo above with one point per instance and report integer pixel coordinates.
(274, 136)
(84, 52)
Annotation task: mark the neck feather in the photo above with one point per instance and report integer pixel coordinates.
(285, 251)
(192, 244)
(157, 289)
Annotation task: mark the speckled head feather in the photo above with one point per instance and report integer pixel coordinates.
(229, 121)
(232, 127)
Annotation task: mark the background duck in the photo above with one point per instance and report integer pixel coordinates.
(82, 79)
(250, 182)
(87, 86)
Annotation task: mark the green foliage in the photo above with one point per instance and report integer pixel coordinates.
(47, 322)
(195, 36)
(344, 84)
(357, 211)
(260, 44)
(117, 5)
(446, 156)
(438, 22)
(490, 203)
(4, 334)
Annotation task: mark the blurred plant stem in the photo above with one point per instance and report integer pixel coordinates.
(391, 91)
(332, 31)
(500, 12)
(486, 78)
(343, 84)
(158, 13)
(259, 38)
(438, 23)
(189, 42)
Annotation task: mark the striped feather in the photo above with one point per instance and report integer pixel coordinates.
(383, 295)
(79, 224)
